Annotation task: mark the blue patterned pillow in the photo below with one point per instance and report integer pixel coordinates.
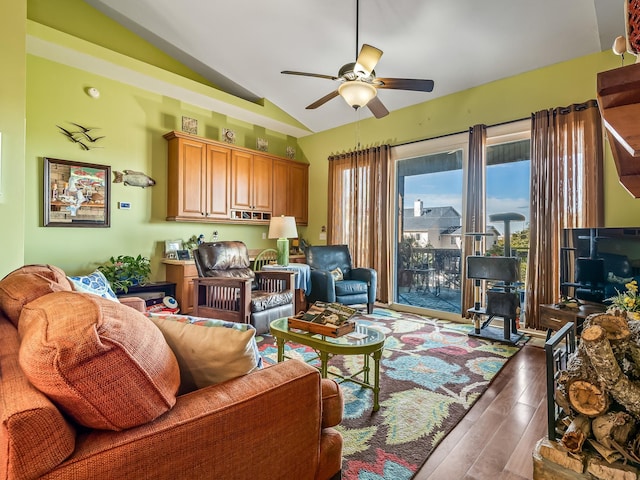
(95, 283)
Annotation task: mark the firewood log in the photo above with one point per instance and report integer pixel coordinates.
(576, 434)
(587, 398)
(601, 356)
(616, 426)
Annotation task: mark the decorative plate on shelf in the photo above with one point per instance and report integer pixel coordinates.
(228, 135)
(262, 144)
(291, 153)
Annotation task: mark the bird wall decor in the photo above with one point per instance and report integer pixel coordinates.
(82, 137)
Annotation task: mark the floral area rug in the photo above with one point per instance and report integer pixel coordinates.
(431, 375)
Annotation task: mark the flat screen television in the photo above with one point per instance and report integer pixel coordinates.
(595, 262)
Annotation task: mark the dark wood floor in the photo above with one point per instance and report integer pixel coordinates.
(494, 441)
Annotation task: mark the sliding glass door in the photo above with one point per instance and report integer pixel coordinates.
(429, 216)
(429, 224)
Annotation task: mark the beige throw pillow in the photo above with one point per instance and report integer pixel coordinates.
(208, 351)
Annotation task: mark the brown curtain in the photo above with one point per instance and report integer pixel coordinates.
(474, 217)
(360, 193)
(566, 192)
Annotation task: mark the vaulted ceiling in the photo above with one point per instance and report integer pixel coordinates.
(243, 45)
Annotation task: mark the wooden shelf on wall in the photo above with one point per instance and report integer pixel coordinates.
(619, 103)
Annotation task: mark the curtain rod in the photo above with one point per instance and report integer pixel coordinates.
(457, 133)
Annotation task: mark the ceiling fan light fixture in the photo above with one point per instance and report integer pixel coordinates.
(356, 93)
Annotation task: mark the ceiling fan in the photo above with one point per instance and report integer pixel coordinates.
(359, 84)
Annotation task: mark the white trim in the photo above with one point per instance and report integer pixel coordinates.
(509, 132)
(73, 58)
(428, 146)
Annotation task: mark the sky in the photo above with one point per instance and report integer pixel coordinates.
(507, 191)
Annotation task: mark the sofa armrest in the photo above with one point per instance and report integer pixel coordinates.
(332, 403)
(216, 430)
(136, 303)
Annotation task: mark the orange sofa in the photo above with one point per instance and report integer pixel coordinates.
(274, 423)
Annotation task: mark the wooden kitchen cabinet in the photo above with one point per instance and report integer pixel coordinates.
(251, 185)
(211, 181)
(290, 190)
(198, 186)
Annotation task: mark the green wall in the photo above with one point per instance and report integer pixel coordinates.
(133, 122)
(12, 127)
(501, 101)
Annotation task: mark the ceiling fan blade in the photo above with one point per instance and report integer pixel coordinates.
(367, 59)
(305, 74)
(323, 100)
(405, 84)
(377, 108)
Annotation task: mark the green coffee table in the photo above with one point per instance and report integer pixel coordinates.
(370, 346)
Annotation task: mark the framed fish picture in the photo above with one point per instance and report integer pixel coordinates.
(76, 194)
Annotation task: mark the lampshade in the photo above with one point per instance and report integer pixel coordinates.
(282, 228)
(357, 93)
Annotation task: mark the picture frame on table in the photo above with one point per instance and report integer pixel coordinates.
(183, 255)
(171, 248)
(76, 194)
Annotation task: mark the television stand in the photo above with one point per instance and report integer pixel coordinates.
(553, 317)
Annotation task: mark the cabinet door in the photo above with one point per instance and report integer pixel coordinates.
(262, 183)
(298, 192)
(241, 178)
(190, 191)
(280, 187)
(218, 174)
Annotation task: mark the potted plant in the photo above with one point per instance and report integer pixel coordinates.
(125, 271)
(627, 302)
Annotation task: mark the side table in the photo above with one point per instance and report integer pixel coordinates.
(553, 317)
(303, 282)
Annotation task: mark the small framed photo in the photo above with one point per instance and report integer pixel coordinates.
(190, 125)
(183, 254)
(171, 248)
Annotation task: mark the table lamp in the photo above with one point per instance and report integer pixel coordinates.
(283, 228)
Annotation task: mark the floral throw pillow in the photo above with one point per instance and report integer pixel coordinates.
(95, 283)
(337, 274)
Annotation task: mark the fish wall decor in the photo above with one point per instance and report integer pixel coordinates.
(133, 179)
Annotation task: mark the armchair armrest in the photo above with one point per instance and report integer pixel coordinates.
(276, 280)
(211, 431)
(323, 286)
(368, 275)
(224, 298)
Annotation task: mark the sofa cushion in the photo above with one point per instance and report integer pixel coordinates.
(262, 300)
(28, 283)
(351, 287)
(209, 351)
(105, 364)
(95, 283)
